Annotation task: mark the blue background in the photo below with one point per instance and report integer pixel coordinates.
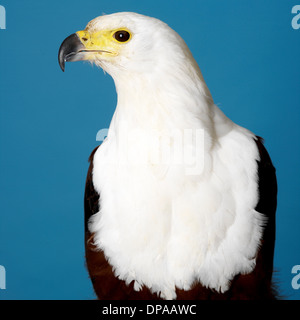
(249, 55)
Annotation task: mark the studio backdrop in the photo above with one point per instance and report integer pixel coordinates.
(50, 121)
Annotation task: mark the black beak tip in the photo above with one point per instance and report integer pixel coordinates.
(62, 65)
(61, 58)
(69, 50)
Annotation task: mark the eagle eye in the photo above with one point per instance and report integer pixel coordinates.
(122, 35)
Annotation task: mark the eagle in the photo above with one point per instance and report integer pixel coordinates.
(179, 200)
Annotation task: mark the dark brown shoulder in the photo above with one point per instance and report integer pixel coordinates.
(267, 182)
(91, 197)
(265, 159)
(267, 204)
(91, 157)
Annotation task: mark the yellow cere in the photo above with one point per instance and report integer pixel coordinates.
(103, 40)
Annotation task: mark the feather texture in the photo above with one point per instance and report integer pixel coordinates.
(184, 209)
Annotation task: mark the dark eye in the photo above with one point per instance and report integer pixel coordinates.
(122, 35)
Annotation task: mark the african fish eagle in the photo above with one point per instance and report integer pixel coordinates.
(180, 201)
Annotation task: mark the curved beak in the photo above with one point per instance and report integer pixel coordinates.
(71, 49)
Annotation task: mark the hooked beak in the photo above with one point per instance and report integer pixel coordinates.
(71, 49)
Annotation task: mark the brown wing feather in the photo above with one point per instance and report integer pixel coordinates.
(256, 285)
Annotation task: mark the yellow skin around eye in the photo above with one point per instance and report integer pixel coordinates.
(102, 41)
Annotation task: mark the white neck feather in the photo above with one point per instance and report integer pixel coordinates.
(157, 225)
(180, 99)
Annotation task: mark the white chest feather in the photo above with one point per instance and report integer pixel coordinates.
(165, 226)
